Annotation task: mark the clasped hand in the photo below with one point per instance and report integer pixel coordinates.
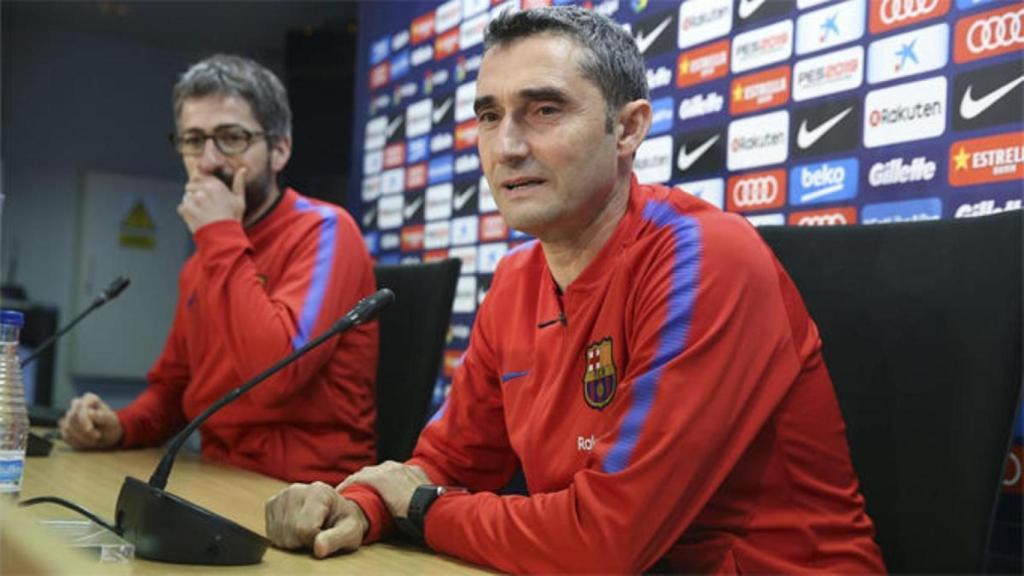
(207, 199)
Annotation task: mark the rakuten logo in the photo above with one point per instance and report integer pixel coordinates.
(653, 162)
(906, 112)
(830, 26)
(763, 46)
(758, 141)
(701, 105)
(841, 216)
(757, 191)
(703, 20)
(989, 34)
(821, 182)
(830, 73)
(903, 211)
(891, 14)
(986, 208)
(899, 171)
(702, 64)
(908, 54)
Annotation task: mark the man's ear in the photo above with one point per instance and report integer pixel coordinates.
(280, 152)
(632, 124)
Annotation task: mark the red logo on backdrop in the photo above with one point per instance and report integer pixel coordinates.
(412, 238)
(435, 255)
(446, 44)
(885, 15)
(989, 34)
(416, 176)
(759, 91)
(839, 216)
(990, 159)
(452, 360)
(378, 75)
(422, 28)
(394, 155)
(1012, 482)
(527, 4)
(493, 227)
(702, 64)
(757, 191)
(465, 135)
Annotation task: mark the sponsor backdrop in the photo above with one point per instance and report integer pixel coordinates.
(798, 112)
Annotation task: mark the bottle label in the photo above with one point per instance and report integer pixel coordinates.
(12, 465)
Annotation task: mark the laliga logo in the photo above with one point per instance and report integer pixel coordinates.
(996, 32)
(899, 10)
(755, 191)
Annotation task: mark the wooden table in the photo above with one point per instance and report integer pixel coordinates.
(93, 479)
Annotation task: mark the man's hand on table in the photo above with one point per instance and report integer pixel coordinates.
(314, 516)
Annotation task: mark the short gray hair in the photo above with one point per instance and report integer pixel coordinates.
(612, 60)
(237, 76)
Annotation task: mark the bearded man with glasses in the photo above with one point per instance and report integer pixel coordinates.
(272, 269)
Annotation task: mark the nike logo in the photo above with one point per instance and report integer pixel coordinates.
(643, 42)
(461, 199)
(513, 375)
(686, 159)
(368, 217)
(971, 108)
(393, 125)
(411, 209)
(441, 110)
(806, 138)
(748, 7)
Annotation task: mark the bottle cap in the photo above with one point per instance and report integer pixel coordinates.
(12, 317)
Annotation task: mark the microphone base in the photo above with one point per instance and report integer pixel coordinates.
(166, 528)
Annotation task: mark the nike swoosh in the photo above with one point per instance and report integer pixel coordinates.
(971, 108)
(644, 42)
(411, 209)
(442, 110)
(513, 375)
(686, 159)
(393, 125)
(806, 138)
(368, 216)
(748, 7)
(461, 199)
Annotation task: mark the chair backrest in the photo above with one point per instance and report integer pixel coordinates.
(921, 330)
(412, 337)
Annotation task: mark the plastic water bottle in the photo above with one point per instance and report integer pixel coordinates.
(13, 414)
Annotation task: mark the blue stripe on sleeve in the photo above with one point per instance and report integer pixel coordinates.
(673, 333)
(321, 270)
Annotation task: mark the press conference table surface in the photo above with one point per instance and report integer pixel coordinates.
(93, 479)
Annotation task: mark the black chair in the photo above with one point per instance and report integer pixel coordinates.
(412, 339)
(921, 330)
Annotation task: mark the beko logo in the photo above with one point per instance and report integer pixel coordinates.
(439, 169)
(828, 74)
(400, 65)
(823, 182)
(416, 150)
(379, 50)
(763, 46)
(758, 140)
(989, 34)
(658, 78)
(703, 20)
(909, 53)
(701, 105)
(830, 26)
(653, 163)
(899, 171)
(757, 191)
(907, 112)
(986, 208)
(890, 14)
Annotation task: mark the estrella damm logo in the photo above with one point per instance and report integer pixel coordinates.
(599, 379)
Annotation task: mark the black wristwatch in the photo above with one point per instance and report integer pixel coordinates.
(422, 499)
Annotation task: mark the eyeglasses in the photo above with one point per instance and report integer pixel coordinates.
(230, 140)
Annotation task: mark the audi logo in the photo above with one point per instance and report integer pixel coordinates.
(755, 191)
(822, 220)
(898, 10)
(996, 32)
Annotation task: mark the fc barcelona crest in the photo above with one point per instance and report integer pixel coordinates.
(599, 379)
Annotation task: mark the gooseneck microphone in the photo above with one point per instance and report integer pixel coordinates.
(167, 528)
(113, 291)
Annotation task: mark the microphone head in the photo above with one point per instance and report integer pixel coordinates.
(368, 308)
(115, 288)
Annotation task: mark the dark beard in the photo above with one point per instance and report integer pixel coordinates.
(256, 191)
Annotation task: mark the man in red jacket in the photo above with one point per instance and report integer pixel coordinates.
(646, 361)
(272, 269)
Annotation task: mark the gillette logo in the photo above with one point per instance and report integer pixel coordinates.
(701, 105)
